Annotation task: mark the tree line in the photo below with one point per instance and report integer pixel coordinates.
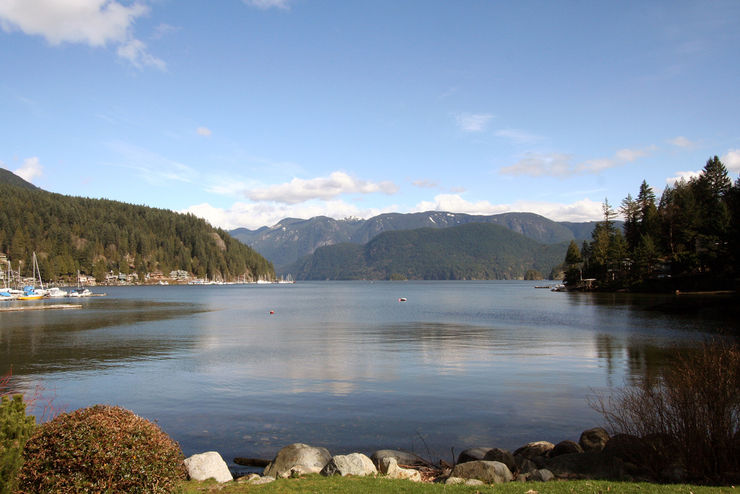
(688, 239)
(95, 236)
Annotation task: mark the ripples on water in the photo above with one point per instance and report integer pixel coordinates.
(346, 365)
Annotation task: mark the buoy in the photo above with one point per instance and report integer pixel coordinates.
(402, 299)
(272, 312)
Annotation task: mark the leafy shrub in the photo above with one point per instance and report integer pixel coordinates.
(15, 429)
(695, 403)
(101, 449)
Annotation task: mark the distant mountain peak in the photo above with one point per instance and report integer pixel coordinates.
(10, 178)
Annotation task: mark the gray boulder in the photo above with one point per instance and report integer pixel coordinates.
(389, 466)
(298, 459)
(541, 475)
(593, 439)
(208, 465)
(490, 472)
(473, 454)
(505, 457)
(565, 448)
(401, 457)
(352, 464)
(533, 449)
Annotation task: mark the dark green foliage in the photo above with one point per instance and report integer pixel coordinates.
(473, 251)
(101, 449)
(690, 240)
(95, 236)
(15, 429)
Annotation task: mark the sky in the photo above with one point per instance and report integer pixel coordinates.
(245, 112)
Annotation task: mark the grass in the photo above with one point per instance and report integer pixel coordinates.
(352, 485)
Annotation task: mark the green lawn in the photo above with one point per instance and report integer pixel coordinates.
(352, 485)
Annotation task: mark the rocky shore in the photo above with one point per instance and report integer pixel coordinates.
(596, 455)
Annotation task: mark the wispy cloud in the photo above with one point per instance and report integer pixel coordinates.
(204, 131)
(563, 165)
(269, 4)
(517, 136)
(30, 169)
(682, 142)
(95, 23)
(337, 183)
(473, 122)
(425, 184)
(151, 167)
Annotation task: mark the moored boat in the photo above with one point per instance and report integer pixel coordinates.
(80, 292)
(57, 292)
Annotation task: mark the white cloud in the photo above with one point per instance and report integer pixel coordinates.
(731, 160)
(562, 165)
(686, 176)
(517, 136)
(425, 184)
(93, 22)
(256, 215)
(299, 190)
(30, 169)
(583, 210)
(268, 4)
(136, 53)
(473, 122)
(682, 142)
(204, 131)
(541, 164)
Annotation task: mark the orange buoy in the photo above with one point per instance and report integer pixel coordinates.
(272, 312)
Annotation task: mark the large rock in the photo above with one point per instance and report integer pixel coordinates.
(401, 457)
(524, 465)
(352, 464)
(208, 465)
(537, 448)
(541, 475)
(593, 439)
(565, 448)
(389, 466)
(473, 454)
(490, 472)
(298, 459)
(588, 465)
(505, 457)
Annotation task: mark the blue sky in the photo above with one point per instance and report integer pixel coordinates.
(248, 111)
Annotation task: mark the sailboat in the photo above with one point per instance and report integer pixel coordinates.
(80, 291)
(31, 292)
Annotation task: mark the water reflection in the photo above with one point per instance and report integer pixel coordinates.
(101, 334)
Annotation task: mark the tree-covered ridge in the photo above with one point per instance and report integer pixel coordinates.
(98, 235)
(689, 239)
(476, 251)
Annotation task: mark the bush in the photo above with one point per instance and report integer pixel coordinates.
(695, 403)
(15, 429)
(101, 449)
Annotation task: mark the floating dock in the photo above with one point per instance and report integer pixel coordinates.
(41, 307)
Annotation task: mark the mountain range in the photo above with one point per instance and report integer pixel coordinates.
(291, 239)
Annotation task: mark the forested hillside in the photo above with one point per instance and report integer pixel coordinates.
(475, 251)
(95, 236)
(292, 238)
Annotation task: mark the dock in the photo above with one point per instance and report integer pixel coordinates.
(41, 307)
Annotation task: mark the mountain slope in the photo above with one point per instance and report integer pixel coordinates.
(292, 239)
(10, 178)
(472, 251)
(97, 235)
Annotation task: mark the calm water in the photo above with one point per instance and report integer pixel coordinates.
(345, 364)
